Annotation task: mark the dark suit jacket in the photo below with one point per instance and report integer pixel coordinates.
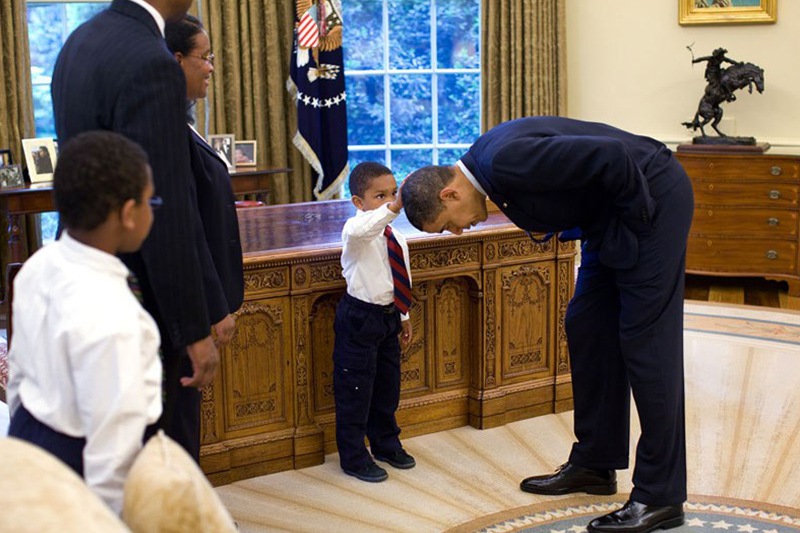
(551, 174)
(115, 73)
(220, 223)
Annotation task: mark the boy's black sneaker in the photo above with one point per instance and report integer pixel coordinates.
(370, 473)
(398, 459)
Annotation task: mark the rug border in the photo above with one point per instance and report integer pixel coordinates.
(509, 514)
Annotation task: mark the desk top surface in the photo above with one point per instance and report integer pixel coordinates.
(318, 226)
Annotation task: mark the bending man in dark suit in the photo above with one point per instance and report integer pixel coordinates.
(632, 204)
(115, 73)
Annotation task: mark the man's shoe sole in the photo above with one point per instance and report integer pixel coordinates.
(605, 490)
(666, 524)
(368, 479)
(401, 466)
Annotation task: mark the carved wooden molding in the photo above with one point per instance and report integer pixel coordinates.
(490, 252)
(542, 273)
(301, 358)
(264, 280)
(562, 351)
(523, 247)
(275, 312)
(504, 390)
(254, 408)
(431, 399)
(447, 257)
(246, 442)
(326, 273)
(300, 276)
(566, 247)
(208, 415)
(491, 324)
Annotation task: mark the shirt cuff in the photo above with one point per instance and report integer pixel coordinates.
(404, 316)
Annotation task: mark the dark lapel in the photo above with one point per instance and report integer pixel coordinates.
(128, 8)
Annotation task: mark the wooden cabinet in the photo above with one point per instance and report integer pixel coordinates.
(489, 342)
(746, 215)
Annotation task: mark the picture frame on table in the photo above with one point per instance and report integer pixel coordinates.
(245, 153)
(40, 156)
(11, 177)
(727, 12)
(223, 146)
(5, 157)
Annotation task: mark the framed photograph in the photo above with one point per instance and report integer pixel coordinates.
(244, 153)
(727, 11)
(40, 155)
(223, 146)
(5, 157)
(11, 177)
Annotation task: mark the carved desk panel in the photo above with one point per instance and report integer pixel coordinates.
(489, 343)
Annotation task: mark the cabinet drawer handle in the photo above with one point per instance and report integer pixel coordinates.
(776, 171)
(773, 221)
(774, 194)
(772, 255)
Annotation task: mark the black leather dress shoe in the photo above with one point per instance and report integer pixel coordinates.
(370, 473)
(635, 517)
(398, 459)
(571, 478)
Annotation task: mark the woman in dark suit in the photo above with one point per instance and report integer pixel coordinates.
(189, 42)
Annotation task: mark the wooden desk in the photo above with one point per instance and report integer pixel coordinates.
(38, 198)
(489, 342)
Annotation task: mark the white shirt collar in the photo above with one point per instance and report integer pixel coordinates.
(153, 12)
(470, 177)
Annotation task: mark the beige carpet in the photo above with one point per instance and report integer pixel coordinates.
(743, 443)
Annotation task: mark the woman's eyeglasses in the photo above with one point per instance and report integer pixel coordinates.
(208, 59)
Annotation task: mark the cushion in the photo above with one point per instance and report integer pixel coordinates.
(38, 492)
(167, 492)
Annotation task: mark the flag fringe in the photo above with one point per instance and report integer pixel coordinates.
(334, 188)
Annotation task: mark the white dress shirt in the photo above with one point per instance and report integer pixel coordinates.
(472, 179)
(84, 358)
(153, 12)
(365, 256)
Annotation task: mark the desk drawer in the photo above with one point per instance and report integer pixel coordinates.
(766, 223)
(741, 255)
(745, 194)
(756, 167)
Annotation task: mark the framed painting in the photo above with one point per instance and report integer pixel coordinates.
(727, 11)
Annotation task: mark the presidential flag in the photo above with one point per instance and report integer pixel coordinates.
(317, 83)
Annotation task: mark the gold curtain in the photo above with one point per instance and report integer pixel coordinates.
(16, 104)
(252, 41)
(523, 59)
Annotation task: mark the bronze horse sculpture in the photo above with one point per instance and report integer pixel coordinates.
(737, 76)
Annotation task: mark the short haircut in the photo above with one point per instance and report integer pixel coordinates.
(180, 34)
(363, 174)
(420, 193)
(97, 172)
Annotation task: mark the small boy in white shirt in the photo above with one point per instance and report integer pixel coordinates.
(84, 366)
(370, 317)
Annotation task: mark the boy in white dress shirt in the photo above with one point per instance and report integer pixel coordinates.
(85, 372)
(370, 317)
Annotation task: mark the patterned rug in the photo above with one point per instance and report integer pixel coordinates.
(703, 514)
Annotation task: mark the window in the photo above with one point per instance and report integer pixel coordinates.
(49, 25)
(412, 70)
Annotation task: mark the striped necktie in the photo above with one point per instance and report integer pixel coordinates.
(402, 287)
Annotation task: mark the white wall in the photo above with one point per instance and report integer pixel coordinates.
(628, 66)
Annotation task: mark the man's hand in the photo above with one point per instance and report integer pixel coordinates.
(224, 330)
(406, 334)
(205, 362)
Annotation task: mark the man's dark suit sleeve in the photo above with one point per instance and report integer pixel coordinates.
(566, 162)
(153, 113)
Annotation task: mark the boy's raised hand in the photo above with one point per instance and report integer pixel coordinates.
(397, 205)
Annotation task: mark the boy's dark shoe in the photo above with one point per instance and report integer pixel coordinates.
(370, 473)
(571, 478)
(398, 459)
(635, 517)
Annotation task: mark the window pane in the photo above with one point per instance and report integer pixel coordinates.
(43, 111)
(405, 162)
(49, 223)
(363, 34)
(411, 109)
(449, 156)
(80, 12)
(360, 156)
(365, 104)
(45, 22)
(459, 108)
(458, 33)
(410, 34)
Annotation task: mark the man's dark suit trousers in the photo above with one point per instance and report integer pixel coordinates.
(366, 380)
(625, 333)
